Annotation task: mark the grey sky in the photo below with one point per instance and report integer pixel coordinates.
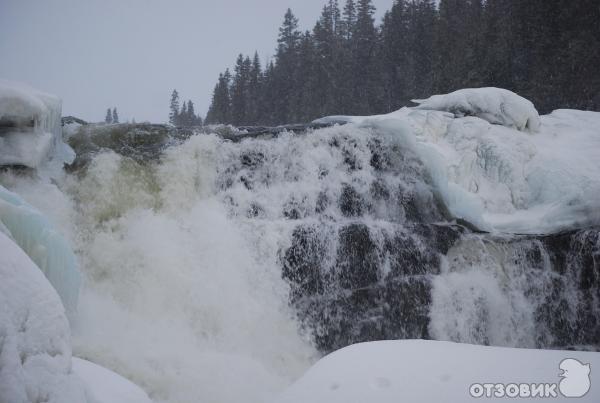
(131, 53)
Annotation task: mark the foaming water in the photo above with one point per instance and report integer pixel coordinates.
(178, 296)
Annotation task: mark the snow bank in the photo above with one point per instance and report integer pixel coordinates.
(30, 127)
(43, 244)
(495, 105)
(106, 386)
(35, 350)
(431, 371)
(491, 174)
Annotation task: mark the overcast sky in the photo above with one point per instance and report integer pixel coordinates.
(131, 53)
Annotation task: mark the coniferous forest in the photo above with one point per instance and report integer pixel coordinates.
(545, 50)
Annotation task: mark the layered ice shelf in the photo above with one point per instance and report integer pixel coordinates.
(499, 165)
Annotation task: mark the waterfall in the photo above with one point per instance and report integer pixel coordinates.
(205, 259)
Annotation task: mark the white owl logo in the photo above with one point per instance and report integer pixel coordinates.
(576, 378)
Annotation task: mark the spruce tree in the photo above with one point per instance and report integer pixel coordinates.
(239, 91)
(220, 108)
(174, 108)
(182, 117)
(115, 116)
(108, 118)
(285, 77)
(367, 91)
(254, 92)
(192, 119)
(348, 21)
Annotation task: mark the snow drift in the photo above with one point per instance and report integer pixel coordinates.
(35, 341)
(30, 127)
(428, 371)
(107, 387)
(495, 105)
(493, 175)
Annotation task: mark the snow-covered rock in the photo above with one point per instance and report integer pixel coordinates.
(43, 244)
(30, 127)
(496, 105)
(106, 386)
(437, 372)
(35, 345)
(491, 174)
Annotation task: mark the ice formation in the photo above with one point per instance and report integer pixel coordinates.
(495, 105)
(493, 175)
(30, 127)
(35, 345)
(428, 372)
(32, 231)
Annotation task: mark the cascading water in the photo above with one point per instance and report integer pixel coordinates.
(219, 270)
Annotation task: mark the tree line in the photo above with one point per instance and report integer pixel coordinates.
(184, 116)
(545, 50)
(111, 116)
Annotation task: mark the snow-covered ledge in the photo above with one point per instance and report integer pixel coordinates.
(495, 105)
(30, 127)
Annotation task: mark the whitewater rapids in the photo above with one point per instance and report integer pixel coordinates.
(178, 297)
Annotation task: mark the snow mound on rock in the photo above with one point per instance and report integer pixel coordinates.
(30, 127)
(496, 105)
(35, 349)
(106, 386)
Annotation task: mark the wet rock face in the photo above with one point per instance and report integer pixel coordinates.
(376, 284)
(357, 264)
(523, 291)
(142, 142)
(572, 308)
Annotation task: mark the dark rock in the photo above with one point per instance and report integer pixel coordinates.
(409, 255)
(302, 262)
(407, 301)
(350, 203)
(72, 119)
(142, 142)
(252, 159)
(322, 203)
(358, 258)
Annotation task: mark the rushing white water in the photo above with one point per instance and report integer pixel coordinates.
(178, 296)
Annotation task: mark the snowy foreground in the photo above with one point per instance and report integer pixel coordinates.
(437, 372)
(35, 343)
(497, 163)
